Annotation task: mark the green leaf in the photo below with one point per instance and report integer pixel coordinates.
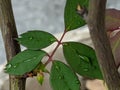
(40, 78)
(41, 67)
(82, 59)
(63, 78)
(24, 62)
(36, 39)
(71, 18)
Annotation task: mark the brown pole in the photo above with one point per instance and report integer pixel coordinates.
(9, 33)
(96, 24)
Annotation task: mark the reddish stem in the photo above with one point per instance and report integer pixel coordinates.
(59, 43)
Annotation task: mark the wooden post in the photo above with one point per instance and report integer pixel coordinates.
(9, 33)
(96, 24)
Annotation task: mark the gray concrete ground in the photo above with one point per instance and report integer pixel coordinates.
(44, 15)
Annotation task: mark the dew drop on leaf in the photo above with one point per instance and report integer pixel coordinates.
(65, 44)
(8, 66)
(61, 77)
(30, 38)
(86, 69)
(52, 39)
(77, 82)
(34, 57)
(27, 60)
(14, 66)
(57, 67)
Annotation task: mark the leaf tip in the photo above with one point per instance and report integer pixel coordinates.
(40, 78)
(65, 44)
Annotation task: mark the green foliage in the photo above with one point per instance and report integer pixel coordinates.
(63, 78)
(82, 59)
(36, 39)
(24, 62)
(71, 18)
(40, 78)
(41, 67)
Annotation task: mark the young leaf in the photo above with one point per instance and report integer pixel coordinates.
(82, 59)
(36, 39)
(71, 18)
(63, 78)
(24, 62)
(40, 67)
(40, 78)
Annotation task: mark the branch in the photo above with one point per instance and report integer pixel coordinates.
(96, 24)
(9, 32)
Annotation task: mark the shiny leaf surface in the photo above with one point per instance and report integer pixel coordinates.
(63, 78)
(24, 62)
(82, 59)
(36, 39)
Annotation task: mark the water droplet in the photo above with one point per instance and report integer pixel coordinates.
(34, 57)
(27, 60)
(86, 59)
(52, 39)
(77, 82)
(86, 69)
(14, 66)
(61, 77)
(81, 56)
(65, 44)
(8, 66)
(30, 38)
(57, 67)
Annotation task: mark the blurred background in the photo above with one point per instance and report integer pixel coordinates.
(47, 15)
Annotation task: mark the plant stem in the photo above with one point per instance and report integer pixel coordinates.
(96, 24)
(53, 52)
(9, 32)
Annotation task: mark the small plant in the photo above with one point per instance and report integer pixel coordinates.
(81, 58)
